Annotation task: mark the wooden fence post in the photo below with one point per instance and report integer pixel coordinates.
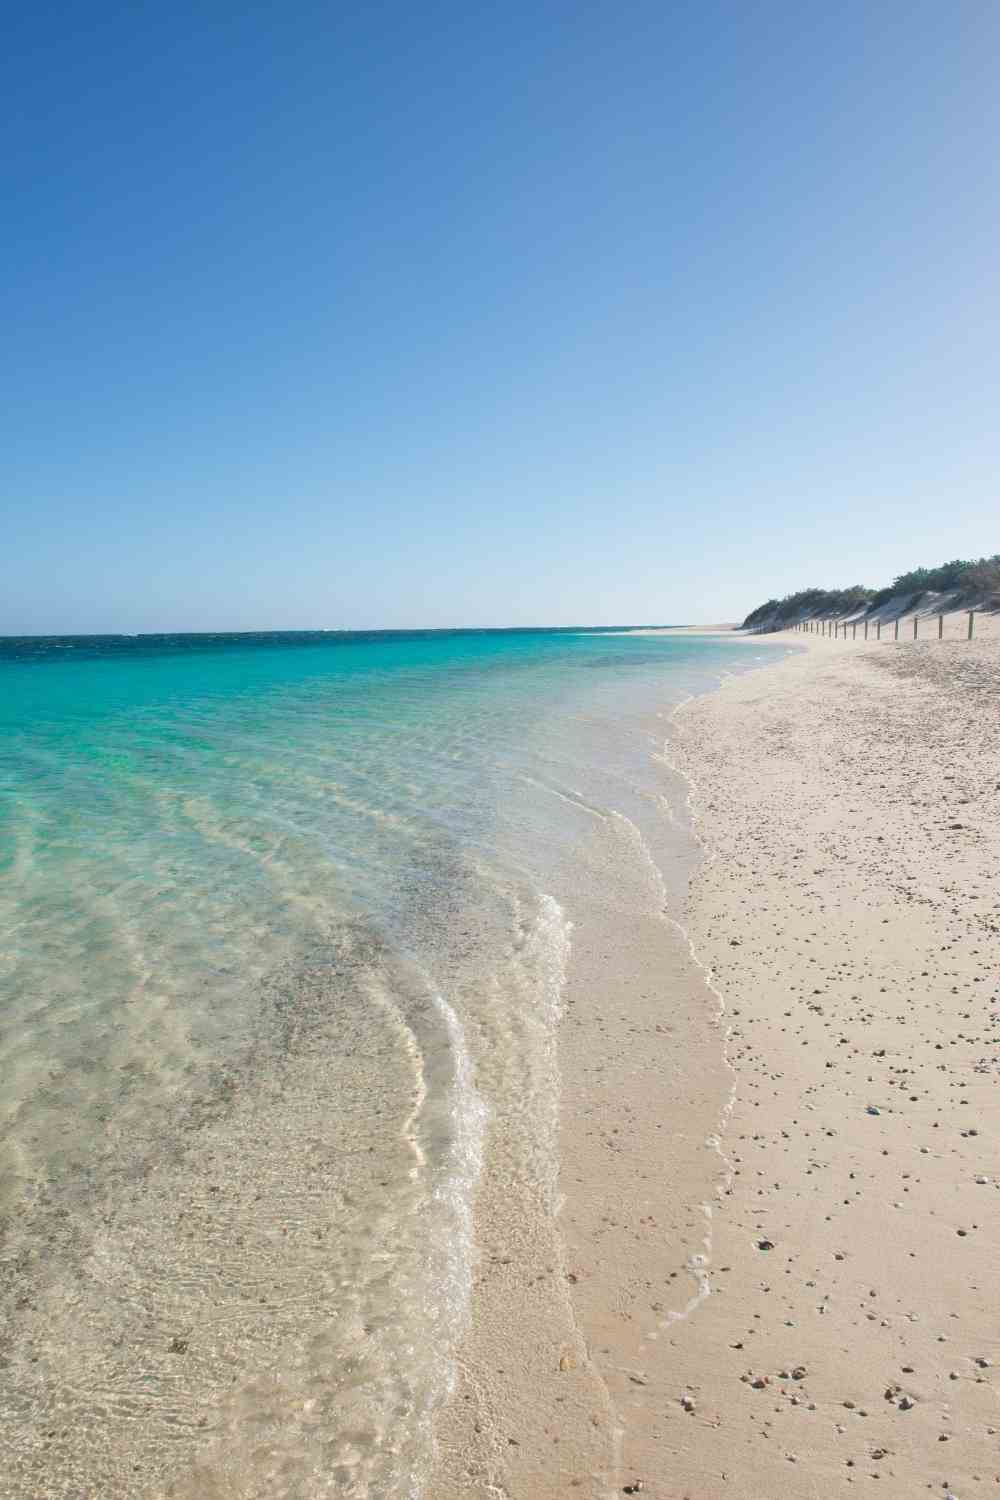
(878, 630)
(940, 626)
(971, 617)
(866, 630)
(854, 631)
(895, 634)
(914, 627)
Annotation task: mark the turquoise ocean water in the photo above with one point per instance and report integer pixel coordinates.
(282, 921)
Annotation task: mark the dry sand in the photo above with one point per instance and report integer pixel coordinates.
(774, 1271)
(848, 798)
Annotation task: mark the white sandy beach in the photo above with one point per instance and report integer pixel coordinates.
(821, 1161)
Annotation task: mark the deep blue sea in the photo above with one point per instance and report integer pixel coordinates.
(269, 904)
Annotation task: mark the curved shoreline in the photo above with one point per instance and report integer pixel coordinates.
(574, 1323)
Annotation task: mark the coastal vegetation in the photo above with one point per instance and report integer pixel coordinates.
(977, 578)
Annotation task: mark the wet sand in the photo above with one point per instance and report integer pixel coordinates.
(820, 1156)
(576, 1279)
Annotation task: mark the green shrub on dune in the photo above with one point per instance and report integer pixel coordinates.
(977, 578)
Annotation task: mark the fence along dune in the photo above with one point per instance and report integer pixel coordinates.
(840, 627)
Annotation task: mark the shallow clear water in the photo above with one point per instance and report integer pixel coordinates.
(280, 933)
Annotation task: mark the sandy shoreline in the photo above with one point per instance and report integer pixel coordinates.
(848, 911)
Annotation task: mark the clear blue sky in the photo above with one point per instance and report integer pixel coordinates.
(321, 315)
